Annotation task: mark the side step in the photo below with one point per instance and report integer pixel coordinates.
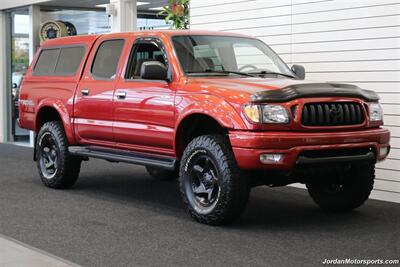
(118, 155)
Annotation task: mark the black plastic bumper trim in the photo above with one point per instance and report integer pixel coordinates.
(370, 156)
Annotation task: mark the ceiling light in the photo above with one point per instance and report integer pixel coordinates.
(156, 8)
(138, 4)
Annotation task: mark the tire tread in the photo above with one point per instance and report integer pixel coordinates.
(69, 166)
(233, 204)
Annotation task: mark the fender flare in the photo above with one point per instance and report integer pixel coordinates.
(212, 106)
(62, 110)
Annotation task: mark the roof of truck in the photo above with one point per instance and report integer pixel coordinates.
(79, 39)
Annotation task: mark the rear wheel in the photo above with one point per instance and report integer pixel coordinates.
(211, 183)
(162, 174)
(57, 168)
(346, 192)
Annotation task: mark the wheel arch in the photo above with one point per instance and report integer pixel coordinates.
(208, 114)
(50, 111)
(194, 125)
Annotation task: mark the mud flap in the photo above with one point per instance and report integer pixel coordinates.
(34, 146)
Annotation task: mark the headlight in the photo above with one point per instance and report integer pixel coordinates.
(375, 112)
(266, 113)
(274, 114)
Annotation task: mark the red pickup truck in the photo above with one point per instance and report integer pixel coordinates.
(220, 111)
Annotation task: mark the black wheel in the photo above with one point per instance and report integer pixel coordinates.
(345, 192)
(57, 168)
(210, 181)
(162, 174)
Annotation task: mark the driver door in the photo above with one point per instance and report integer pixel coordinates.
(144, 109)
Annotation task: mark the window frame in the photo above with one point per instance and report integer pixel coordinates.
(148, 40)
(59, 48)
(172, 37)
(119, 60)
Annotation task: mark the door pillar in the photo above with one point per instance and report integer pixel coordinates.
(123, 14)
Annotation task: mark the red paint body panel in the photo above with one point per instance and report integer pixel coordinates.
(248, 146)
(52, 91)
(94, 113)
(148, 118)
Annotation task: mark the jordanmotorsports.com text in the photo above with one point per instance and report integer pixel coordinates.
(360, 261)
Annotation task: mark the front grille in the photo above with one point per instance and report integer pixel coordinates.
(332, 114)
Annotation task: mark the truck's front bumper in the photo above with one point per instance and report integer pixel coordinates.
(249, 146)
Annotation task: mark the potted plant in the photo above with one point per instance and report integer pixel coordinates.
(177, 11)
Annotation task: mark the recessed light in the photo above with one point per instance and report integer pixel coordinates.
(138, 4)
(156, 8)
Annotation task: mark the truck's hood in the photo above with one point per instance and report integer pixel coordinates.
(277, 90)
(244, 85)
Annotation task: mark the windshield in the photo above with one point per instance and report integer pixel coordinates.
(210, 55)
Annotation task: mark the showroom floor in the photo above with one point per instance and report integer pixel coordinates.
(16, 254)
(116, 215)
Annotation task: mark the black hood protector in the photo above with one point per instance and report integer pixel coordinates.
(314, 90)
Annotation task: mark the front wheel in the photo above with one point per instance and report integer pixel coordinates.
(346, 192)
(57, 168)
(210, 181)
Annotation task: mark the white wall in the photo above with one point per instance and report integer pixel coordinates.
(352, 41)
(3, 80)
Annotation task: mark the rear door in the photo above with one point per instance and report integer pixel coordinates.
(93, 110)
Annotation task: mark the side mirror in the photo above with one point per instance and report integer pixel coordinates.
(153, 70)
(300, 71)
(14, 86)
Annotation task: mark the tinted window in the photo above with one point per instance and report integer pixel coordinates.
(106, 59)
(46, 62)
(69, 60)
(143, 52)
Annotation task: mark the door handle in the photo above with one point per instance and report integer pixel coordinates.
(85, 92)
(121, 95)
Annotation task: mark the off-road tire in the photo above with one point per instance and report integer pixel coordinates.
(162, 174)
(233, 188)
(68, 166)
(354, 191)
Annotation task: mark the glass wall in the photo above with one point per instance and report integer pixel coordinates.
(85, 21)
(151, 23)
(94, 22)
(19, 65)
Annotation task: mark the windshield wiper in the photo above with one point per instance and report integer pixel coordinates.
(264, 72)
(222, 71)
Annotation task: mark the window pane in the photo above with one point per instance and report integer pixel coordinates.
(69, 60)
(46, 63)
(204, 54)
(249, 57)
(106, 60)
(143, 52)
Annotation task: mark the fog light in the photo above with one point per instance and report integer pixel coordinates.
(383, 151)
(271, 158)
